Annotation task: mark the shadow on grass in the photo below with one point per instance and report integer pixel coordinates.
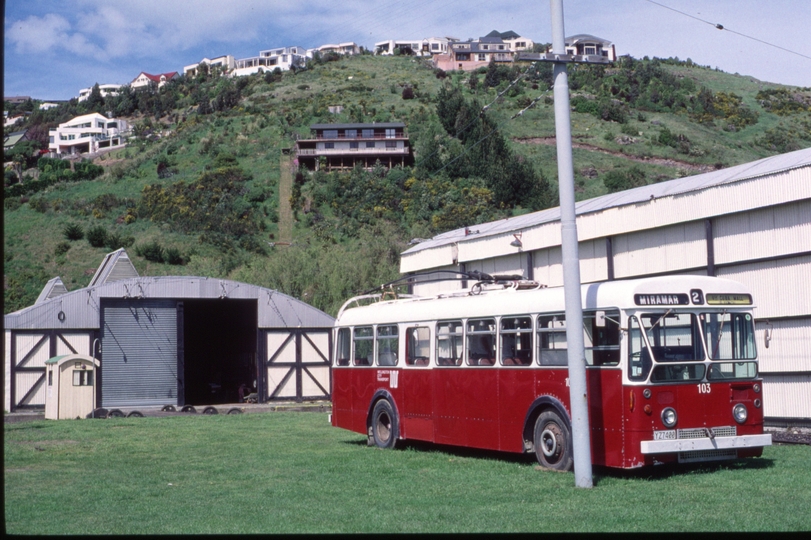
(659, 472)
(670, 470)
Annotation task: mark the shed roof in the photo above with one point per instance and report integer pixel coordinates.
(672, 188)
(116, 277)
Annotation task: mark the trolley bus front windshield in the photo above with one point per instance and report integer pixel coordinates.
(677, 346)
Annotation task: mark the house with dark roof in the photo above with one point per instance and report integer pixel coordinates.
(475, 53)
(588, 45)
(342, 146)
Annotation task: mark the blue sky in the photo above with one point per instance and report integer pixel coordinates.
(52, 49)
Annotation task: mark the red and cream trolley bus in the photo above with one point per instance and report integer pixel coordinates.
(672, 371)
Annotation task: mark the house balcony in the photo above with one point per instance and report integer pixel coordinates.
(343, 137)
(314, 152)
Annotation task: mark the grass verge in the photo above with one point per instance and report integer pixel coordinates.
(293, 473)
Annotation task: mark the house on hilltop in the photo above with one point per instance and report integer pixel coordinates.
(473, 54)
(342, 146)
(226, 63)
(586, 44)
(513, 40)
(144, 79)
(283, 58)
(414, 47)
(105, 89)
(349, 48)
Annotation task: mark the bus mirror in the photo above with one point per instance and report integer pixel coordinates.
(600, 318)
(767, 334)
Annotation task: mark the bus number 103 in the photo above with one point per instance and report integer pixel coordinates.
(704, 388)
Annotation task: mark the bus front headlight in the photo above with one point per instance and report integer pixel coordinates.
(669, 417)
(740, 413)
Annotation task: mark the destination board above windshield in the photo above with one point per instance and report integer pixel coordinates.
(729, 299)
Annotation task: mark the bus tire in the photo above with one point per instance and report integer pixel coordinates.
(385, 426)
(553, 442)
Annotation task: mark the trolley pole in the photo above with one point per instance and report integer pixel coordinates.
(581, 436)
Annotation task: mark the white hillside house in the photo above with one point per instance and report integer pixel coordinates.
(283, 58)
(87, 134)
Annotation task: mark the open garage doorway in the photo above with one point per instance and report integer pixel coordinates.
(219, 351)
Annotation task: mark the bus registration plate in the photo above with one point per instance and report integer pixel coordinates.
(669, 435)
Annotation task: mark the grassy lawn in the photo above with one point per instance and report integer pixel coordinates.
(290, 472)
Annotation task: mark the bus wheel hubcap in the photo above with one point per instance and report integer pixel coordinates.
(549, 442)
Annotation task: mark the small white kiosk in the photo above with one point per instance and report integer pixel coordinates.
(71, 386)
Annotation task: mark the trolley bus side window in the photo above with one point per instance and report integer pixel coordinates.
(481, 342)
(343, 347)
(516, 341)
(602, 337)
(552, 349)
(418, 344)
(364, 346)
(449, 343)
(388, 345)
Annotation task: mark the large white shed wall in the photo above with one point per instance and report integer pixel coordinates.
(767, 232)
(786, 396)
(788, 345)
(665, 249)
(781, 287)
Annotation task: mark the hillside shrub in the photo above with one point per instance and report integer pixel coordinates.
(73, 231)
(61, 248)
(622, 179)
(173, 256)
(38, 204)
(97, 236)
(115, 241)
(151, 251)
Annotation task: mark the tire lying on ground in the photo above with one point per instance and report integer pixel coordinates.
(116, 413)
(210, 410)
(101, 412)
(135, 414)
(188, 409)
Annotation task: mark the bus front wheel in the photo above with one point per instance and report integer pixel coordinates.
(384, 424)
(553, 442)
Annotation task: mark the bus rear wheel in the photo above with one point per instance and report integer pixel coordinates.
(553, 442)
(384, 424)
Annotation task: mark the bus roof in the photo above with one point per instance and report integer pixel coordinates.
(645, 293)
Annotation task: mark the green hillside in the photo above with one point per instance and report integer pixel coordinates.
(197, 191)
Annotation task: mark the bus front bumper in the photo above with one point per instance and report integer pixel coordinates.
(705, 443)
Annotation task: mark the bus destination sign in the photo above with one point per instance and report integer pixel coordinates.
(661, 299)
(729, 299)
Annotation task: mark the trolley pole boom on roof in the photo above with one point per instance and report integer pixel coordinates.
(581, 439)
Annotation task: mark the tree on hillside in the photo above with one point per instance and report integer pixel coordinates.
(95, 101)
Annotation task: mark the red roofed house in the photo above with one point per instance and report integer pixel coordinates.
(144, 78)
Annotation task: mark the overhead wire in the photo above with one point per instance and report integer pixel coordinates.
(722, 27)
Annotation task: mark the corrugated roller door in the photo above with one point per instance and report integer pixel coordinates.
(139, 353)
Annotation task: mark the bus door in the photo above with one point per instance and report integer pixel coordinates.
(477, 399)
(601, 334)
(447, 375)
(417, 408)
(515, 385)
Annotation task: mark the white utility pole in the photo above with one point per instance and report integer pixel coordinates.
(581, 435)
